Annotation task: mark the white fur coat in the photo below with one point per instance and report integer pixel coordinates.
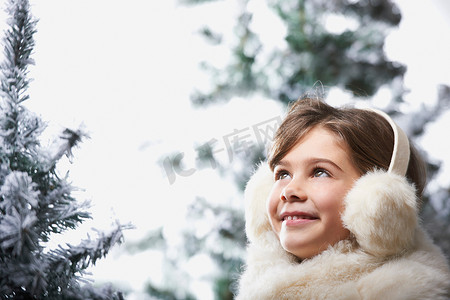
(387, 257)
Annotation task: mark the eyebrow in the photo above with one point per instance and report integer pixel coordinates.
(312, 160)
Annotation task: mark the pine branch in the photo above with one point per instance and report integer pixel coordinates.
(18, 128)
(19, 44)
(67, 264)
(20, 201)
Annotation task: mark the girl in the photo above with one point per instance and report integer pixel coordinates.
(334, 212)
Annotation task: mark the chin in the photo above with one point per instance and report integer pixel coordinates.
(299, 249)
(302, 254)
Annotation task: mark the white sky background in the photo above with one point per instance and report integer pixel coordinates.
(125, 70)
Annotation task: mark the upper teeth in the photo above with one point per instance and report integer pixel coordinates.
(297, 217)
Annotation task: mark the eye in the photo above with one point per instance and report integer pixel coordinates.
(319, 172)
(281, 174)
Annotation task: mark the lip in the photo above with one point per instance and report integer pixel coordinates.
(296, 218)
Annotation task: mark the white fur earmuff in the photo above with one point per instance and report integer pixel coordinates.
(381, 212)
(381, 209)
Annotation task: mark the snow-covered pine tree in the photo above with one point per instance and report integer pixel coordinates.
(34, 201)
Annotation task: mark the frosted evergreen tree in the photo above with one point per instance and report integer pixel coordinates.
(36, 203)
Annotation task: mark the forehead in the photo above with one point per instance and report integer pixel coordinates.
(319, 142)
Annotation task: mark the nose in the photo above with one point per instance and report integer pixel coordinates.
(293, 192)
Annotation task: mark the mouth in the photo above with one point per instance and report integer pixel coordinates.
(297, 216)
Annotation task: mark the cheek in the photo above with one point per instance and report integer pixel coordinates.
(331, 201)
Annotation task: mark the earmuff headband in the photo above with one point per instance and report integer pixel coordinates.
(400, 154)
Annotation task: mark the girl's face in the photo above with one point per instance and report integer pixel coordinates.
(306, 201)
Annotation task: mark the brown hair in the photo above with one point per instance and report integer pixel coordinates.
(368, 136)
